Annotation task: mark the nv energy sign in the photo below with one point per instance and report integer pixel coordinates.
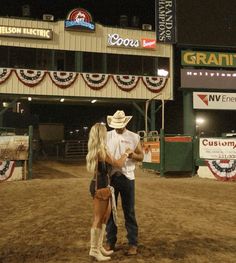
(214, 100)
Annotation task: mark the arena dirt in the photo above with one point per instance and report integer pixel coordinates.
(181, 219)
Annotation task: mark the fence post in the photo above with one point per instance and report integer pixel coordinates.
(162, 152)
(30, 152)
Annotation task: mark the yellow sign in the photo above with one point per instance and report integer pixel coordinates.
(27, 32)
(208, 59)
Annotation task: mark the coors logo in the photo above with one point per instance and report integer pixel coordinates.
(116, 40)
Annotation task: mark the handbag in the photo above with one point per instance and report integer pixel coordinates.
(101, 193)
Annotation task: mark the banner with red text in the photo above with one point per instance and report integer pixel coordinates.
(217, 148)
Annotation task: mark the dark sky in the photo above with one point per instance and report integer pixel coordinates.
(205, 22)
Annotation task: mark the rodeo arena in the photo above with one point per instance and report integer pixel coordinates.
(185, 185)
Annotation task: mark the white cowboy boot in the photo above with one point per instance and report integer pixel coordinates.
(94, 249)
(100, 242)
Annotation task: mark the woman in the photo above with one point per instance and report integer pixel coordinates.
(98, 161)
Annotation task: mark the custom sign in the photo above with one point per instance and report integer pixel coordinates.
(214, 100)
(208, 79)
(208, 59)
(25, 32)
(165, 21)
(151, 152)
(14, 147)
(79, 19)
(217, 148)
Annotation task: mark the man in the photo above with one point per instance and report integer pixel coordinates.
(123, 180)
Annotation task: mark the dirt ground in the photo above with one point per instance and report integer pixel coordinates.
(48, 218)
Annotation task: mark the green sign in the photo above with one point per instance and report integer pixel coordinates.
(208, 59)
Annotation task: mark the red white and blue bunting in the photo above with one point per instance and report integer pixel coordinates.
(126, 82)
(154, 84)
(224, 170)
(63, 79)
(4, 74)
(95, 81)
(6, 169)
(30, 77)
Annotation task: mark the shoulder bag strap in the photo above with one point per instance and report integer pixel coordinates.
(96, 176)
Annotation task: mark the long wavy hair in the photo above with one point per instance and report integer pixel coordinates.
(96, 145)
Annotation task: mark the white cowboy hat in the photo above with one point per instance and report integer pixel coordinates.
(118, 120)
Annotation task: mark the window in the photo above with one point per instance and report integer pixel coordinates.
(44, 59)
(93, 62)
(4, 56)
(22, 57)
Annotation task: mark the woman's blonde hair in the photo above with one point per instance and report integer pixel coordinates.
(96, 145)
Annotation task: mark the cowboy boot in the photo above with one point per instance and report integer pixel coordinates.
(94, 251)
(100, 242)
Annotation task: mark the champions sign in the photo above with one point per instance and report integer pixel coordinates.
(80, 19)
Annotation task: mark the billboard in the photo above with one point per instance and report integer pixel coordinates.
(208, 79)
(165, 13)
(214, 101)
(217, 148)
(208, 59)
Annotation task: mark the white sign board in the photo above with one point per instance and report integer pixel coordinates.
(217, 148)
(214, 100)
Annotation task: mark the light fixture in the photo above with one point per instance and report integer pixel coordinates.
(62, 100)
(29, 98)
(5, 104)
(93, 101)
(200, 120)
(162, 73)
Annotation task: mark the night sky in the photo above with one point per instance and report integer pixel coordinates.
(208, 23)
(202, 22)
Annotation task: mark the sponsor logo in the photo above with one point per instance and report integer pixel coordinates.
(148, 43)
(203, 98)
(116, 40)
(79, 18)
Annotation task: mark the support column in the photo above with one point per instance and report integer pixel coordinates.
(189, 114)
(153, 115)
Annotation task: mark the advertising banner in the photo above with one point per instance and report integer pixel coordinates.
(25, 32)
(214, 100)
(151, 151)
(217, 148)
(208, 59)
(14, 147)
(208, 79)
(165, 21)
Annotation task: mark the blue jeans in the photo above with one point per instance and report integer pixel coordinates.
(126, 189)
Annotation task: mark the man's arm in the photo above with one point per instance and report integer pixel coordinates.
(137, 154)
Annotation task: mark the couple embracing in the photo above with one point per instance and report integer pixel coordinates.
(111, 158)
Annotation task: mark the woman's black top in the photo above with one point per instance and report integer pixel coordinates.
(102, 177)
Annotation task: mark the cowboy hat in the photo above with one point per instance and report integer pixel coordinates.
(118, 120)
